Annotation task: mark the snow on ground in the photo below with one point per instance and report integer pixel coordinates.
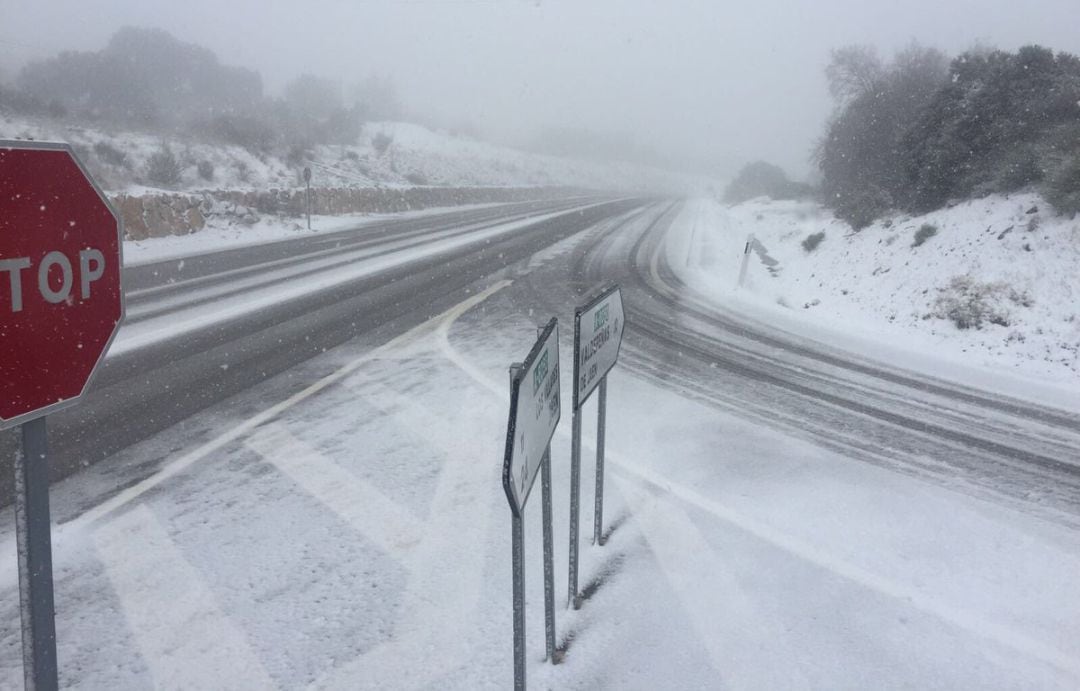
(414, 156)
(1009, 259)
(344, 526)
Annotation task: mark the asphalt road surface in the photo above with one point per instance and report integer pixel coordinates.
(159, 373)
(977, 442)
(163, 372)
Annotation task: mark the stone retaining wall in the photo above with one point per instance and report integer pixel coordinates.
(159, 215)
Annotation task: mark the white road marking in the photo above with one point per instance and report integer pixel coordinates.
(391, 527)
(725, 617)
(434, 630)
(190, 643)
(177, 466)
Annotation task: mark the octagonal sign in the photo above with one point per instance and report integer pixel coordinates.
(61, 301)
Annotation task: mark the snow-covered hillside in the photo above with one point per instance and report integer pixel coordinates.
(390, 154)
(993, 282)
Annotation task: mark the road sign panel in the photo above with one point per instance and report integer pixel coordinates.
(60, 263)
(534, 413)
(598, 331)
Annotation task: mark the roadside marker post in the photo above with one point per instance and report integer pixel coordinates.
(598, 331)
(307, 181)
(534, 414)
(754, 245)
(61, 304)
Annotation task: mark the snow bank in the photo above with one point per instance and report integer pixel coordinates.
(989, 282)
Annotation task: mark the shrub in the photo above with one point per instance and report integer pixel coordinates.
(761, 179)
(381, 142)
(969, 304)
(205, 170)
(299, 153)
(924, 233)
(250, 133)
(812, 241)
(417, 179)
(861, 207)
(162, 169)
(1019, 168)
(1062, 190)
(991, 126)
(110, 154)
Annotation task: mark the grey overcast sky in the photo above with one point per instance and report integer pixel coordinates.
(709, 80)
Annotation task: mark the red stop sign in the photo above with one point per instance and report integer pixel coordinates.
(60, 264)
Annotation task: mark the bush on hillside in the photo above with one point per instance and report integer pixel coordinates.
(13, 100)
(860, 157)
(862, 206)
(812, 240)
(109, 154)
(969, 304)
(1018, 168)
(254, 134)
(163, 169)
(381, 142)
(761, 179)
(924, 233)
(989, 128)
(1062, 190)
(920, 132)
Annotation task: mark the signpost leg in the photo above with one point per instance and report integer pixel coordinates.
(549, 559)
(35, 559)
(519, 602)
(575, 492)
(309, 206)
(601, 422)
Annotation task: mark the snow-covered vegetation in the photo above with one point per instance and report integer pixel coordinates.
(148, 111)
(922, 131)
(995, 284)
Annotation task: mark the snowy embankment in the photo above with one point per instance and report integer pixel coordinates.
(228, 191)
(981, 291)
(386, 154)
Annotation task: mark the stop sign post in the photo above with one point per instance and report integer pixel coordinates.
(61, 304)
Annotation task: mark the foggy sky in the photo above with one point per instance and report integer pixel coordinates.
(699, 80)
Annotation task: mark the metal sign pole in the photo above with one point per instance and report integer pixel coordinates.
(575, 492)
(307, 197)
(601, 421)
(35, 559)
(549, 559)
(549, 549)
(517, 528)
(519, 601)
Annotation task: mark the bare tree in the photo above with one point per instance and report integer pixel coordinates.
(853, 71)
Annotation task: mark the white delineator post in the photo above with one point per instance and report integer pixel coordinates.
(745, 261)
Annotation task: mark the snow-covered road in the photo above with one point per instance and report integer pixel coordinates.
(351, 531)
